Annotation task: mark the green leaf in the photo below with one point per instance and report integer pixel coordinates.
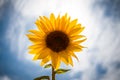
(61, 71)
(48, 66)
(42, 78)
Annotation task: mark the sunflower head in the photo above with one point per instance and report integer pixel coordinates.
(56, 40)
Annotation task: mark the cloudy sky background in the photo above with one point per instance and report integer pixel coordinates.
(100, 61)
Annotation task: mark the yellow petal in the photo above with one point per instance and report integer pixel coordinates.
(52, 19)
(73, 23)
(70, 60)
(74, 37)
(66, 27)
(45, 60)
(55, 60)
(41, 27)
(58, 63)
(63, 59)
(76, 31)
(48, 23)
(79, 41)
(64, 55)
(77, 26)
(35, 46)
(36, 57)
(69, 54)
(73, 54)
(44, 53)
(34, 38)
(63, 23)
(37, 33)
(58, 22)
(44, 24)
(76, 48)
(36, 50)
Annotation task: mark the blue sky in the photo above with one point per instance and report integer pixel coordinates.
(101, 61)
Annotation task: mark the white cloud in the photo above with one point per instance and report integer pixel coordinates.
(107, 45)
(16, 37)
(4, 78)
(103, 47)
(1, 3)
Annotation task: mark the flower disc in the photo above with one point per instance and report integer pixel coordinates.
(57, 41)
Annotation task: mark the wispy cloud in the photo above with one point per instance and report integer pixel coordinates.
(4, 78)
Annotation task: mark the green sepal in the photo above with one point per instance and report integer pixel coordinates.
(48, 66)
(42, 78)
(61, 71)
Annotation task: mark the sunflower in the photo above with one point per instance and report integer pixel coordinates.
(56, 40)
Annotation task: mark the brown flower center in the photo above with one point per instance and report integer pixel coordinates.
(57, 41)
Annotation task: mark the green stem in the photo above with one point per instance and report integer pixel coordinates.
(53, 74)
